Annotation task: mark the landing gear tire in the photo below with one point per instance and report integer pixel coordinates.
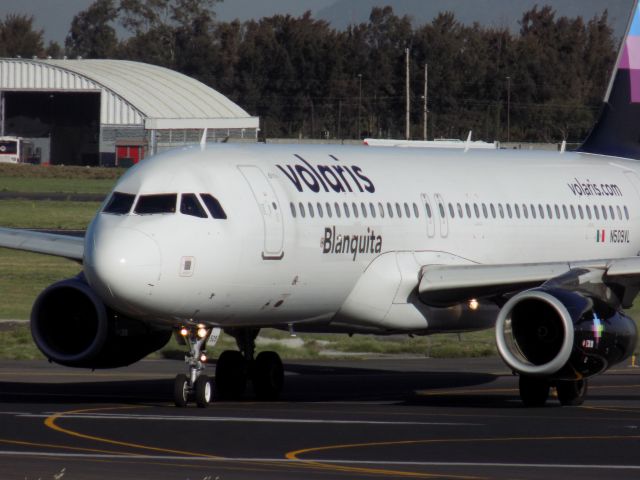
(181, 391)
(231, 375)
(533, 391)
(203, 391)
(572, 393)
(267, 376)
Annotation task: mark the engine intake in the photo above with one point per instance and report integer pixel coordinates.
(562, 334)
(73, 327)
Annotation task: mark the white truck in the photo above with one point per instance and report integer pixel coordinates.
(16, 150)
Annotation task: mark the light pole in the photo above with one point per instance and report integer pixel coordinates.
(508, 109)
(358, 133)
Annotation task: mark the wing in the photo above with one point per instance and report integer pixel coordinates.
(442, 285)
(48, 243)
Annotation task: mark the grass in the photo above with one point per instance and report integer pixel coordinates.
(57, 179)
(47, 214)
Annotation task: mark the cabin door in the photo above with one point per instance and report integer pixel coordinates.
(270, 211)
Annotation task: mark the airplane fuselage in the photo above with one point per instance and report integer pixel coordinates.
(304, 223)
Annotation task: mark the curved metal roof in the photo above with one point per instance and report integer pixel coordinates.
(133, 92)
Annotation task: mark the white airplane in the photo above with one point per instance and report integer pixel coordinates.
(357, 240)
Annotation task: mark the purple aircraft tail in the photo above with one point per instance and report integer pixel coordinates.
(617, 131)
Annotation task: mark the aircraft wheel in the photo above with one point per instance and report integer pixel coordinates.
(231, 375)
(572, 393)
(181, 391)
(268, 376)
(203, 391)
(533, 391)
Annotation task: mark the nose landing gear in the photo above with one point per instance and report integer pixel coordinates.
(196, 385)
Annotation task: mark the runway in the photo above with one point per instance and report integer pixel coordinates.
(383, 418)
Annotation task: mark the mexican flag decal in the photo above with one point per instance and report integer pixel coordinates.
(600, 236)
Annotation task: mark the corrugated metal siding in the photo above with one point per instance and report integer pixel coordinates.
(25, 75)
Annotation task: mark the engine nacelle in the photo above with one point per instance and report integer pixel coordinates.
(562, 334)
(73, 327)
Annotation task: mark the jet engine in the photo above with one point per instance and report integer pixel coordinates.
(562, 334)
(73, 327)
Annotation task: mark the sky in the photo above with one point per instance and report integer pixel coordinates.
(54, 16)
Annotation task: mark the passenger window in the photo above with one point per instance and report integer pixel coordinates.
(613, 215)
(485, 211)
(406, 210)
(517, 209)
(346, 210)
(557, 209)
(604, 212)
(451, 211)
(302, 210)
(416, 212)
(337, 207)
(355, 209)
(493, 210)
(311, 214)
(399, 210)
(320, 212)
(442, 212)
(189, 205)
(381, 210)
(372, 209)
(626, 212)
(525, 212)
(580, 212)
(119, 203)
(468, 209)
(573, 211)
(619, 212)
(588, 209)
(596, 213)
(363, 207)
(152, 204)
(549, 213)
(501, 210)
(460, 214)
(327, 206)
(509, 212)
(293, 209)
(390, 210)
(566, 213)
(476, 210)
(541, 211)
(428, 208)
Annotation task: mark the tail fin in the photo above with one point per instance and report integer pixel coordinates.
(617, 131)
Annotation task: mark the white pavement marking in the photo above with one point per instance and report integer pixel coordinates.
(182, 418)
(92, 456)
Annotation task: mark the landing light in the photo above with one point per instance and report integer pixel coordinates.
(184, 332)
(203, 358)
(202, 332)
(473, 304)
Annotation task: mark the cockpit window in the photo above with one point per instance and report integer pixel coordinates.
(190, 205)
(213, 205)
(119, 203)
(150, 204)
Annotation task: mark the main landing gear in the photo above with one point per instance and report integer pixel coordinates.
(534, 391)
(196, 385)
(233, 369)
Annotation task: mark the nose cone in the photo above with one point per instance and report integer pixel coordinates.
(123, 265)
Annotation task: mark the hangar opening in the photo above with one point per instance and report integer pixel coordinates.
(63, 126)
(111, 112)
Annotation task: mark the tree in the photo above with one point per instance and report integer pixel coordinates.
(92, 34)
(18, 38)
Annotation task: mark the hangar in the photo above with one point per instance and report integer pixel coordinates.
(111, 112)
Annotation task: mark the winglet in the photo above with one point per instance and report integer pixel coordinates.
(467, 145)
(203, 140)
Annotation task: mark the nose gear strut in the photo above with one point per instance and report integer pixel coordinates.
(196, 385)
